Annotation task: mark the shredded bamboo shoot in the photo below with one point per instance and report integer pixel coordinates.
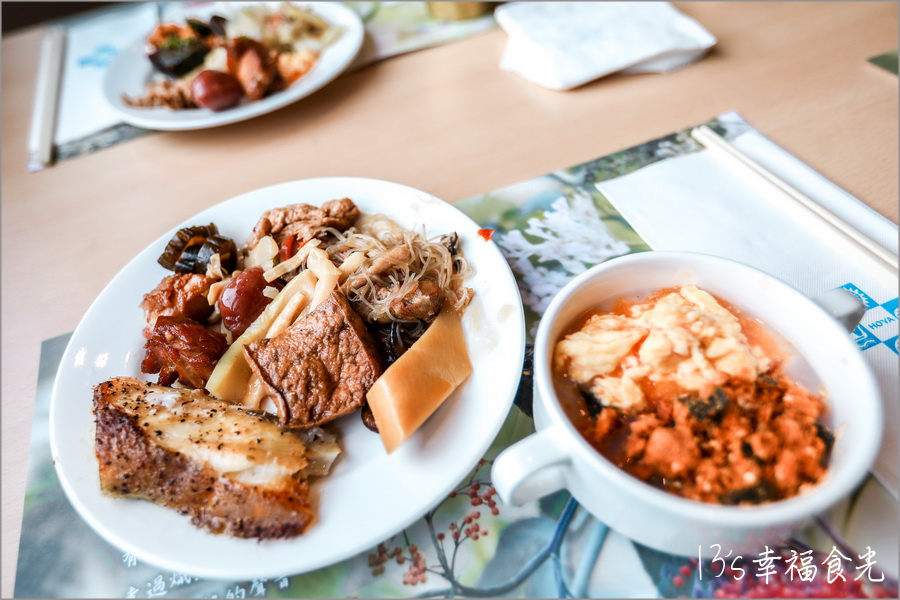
(327, 274)
(232, 373)
(351, 264)
(292, 263)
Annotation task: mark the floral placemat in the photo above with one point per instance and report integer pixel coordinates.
(550, 228)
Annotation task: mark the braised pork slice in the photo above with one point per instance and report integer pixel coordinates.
(302, 220)
(423, 301)
(231, 471)
(182, 350)
(321, 367)
(180, 295)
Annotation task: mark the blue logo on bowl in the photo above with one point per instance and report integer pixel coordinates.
(861, 295)
(864, 338)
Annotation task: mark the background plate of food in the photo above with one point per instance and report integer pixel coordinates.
(369, 494)
(231, 63)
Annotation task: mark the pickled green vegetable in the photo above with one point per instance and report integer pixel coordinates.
(191, 248)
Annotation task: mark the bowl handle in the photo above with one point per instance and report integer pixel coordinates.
(843, 305)
(531, 468)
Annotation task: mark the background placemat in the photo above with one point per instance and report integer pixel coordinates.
(887, 61)
(550, 228)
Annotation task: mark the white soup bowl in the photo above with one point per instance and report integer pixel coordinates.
(556, 456)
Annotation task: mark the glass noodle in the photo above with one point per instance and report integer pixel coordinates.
(406, 258)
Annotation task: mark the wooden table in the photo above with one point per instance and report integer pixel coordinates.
(446, 120)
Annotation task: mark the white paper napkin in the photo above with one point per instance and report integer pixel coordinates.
(561, 45)
(698, 203)
(93, 41)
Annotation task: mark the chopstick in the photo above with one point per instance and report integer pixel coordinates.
(876, 253)
(43, 121)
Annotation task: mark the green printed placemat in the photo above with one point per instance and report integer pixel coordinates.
(887, 61)
(550, 228)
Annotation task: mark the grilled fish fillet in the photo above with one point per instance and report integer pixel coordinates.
(232, 471)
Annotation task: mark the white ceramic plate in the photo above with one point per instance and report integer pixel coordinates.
(131, 70)
(369, 495)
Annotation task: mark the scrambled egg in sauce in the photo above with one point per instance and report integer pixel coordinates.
(683, 337)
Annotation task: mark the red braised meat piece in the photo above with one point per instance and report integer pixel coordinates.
(424, 301)
(182, 350)
(242, 300)
(255, 72)
(302, 220)
(181, 295)
(321, 367)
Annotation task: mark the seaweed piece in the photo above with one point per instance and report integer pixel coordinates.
(766, 380)
(746, 449)
(203, 30)
(592, 403)
(178, 56)
(395, 342)
(711, 407)
(394, 338)
(827, 437)
(187, 261)
(216, 244)
(766, 384)
(449, 241)
(217, 24)
(764, 491)
(185, 252)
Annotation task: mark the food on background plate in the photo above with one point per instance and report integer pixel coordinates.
(216, 64)
(324, 311)
(687, 394)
